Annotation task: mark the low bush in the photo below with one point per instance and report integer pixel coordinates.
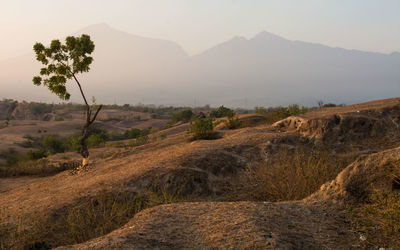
(202, 128)
(232, 122)
(221, 112)
(184, 115)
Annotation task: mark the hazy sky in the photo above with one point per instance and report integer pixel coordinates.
(196, 25)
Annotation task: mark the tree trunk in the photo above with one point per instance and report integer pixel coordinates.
(85, 134)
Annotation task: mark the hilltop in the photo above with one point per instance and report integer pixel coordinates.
(303, 182)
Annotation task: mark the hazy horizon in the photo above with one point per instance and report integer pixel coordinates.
(367, 25)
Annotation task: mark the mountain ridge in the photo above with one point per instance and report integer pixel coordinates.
(265, 69)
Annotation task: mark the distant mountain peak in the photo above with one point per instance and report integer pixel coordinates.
(265, 35)
(99, 27)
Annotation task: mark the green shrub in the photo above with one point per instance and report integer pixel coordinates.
(261, 110)
(202, 128)
(221, 112)
(73, 143)
(53, 145)
(35, 154)
(163, 135)
(232, 122)
(184, 116)
(95, 140)
(133, 133)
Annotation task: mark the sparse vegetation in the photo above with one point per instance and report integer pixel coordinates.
(378, 218)
(221, 112)
(276, 114)
(232, 121)
(288, 175)
(89, 218)
(202, 128)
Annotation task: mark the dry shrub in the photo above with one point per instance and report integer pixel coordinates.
(287, 175)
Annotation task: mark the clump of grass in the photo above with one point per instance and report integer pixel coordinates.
(378, 218)
(232, 121)
(287, 175)
(40, 167)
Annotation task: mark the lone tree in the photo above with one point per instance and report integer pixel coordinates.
(62, 63)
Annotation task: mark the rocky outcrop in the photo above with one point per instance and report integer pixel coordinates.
(347, 127)
(377, 173)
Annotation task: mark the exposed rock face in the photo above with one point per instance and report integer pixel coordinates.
(347, 127)
(377, 173)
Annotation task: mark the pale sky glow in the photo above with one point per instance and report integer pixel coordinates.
(372, 25)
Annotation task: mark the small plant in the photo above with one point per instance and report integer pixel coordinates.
(202, 128)
(232, 122)
(221, 112)
(163, 135)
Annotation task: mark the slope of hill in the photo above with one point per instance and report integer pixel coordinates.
(265, 70)
(207, 171)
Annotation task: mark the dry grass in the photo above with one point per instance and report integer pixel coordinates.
(40, 167)
(287, 175)
(378, 219)
(90, 218)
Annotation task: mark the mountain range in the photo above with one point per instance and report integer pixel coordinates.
(266, 70)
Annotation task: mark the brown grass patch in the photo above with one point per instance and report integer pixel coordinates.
(89, 218)
(287, 175)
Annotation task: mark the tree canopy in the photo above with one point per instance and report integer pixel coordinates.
(62, 62)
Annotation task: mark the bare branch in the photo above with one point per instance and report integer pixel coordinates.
(95, 115)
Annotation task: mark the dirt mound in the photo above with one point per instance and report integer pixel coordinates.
(229, 225)
(363, 123)
(377, 173)
(314, 223)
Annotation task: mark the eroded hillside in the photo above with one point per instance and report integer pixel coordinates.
(219, 211)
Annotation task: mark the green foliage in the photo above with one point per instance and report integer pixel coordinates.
(232, 122)
(135, 133)
(276, 114)
(378, 220)
(163, 135)
(95, 140)
(36, 154)
(115, 136)
(202, 128)
(62, 62)
(221, 112)
(141, 140)
(184, 115)
(329, 105)
(72, 143)
(40, 108)
(261, 110)
(53, 145)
